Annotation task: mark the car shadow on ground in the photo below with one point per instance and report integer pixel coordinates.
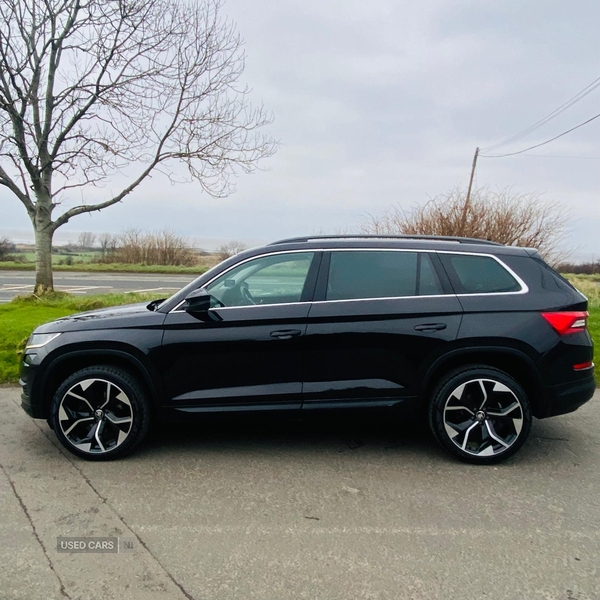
(346, 431)
(361, 432)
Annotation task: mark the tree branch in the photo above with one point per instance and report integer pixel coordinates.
(6, 181)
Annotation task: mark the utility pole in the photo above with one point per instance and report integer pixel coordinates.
(468, 198)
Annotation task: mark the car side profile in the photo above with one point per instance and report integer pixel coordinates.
(478, 337)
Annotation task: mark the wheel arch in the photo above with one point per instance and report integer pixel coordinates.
(70, 362)
(513, 362)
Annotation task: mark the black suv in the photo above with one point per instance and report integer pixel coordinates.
(479, 336)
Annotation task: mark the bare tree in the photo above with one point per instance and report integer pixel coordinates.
(500, 216)
(108, 244)
(230, 249)
(86, 239)
(89, 87)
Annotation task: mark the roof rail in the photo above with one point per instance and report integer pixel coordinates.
(431, 238)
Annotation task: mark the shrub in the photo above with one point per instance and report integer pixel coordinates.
(6, 247)
(502, 216)
(230, 249)
(135, 246)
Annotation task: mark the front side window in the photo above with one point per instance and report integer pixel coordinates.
(482, 274)
(381, 274)
(274, 279)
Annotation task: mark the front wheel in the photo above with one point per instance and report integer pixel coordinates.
(480, 414)
(100, 413)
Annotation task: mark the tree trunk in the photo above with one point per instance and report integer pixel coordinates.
(43, 259)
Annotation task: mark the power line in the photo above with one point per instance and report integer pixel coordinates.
(542, 143)
(560, 156)
(587, 90)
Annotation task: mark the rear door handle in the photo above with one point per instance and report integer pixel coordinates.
(430, 327)
(285, 334)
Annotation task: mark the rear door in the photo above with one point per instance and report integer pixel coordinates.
(378, 316)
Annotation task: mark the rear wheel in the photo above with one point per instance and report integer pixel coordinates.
(100, 413)
(480, 414)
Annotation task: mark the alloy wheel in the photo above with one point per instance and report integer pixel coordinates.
(483, 417)
(95, 416)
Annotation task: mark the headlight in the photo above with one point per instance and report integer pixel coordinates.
(37, 340)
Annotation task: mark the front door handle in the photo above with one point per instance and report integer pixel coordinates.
(430, 327)
(285, 334)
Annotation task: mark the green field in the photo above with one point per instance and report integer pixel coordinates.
(107, 268)
(19, 317)
(58, 257)
(71, 259)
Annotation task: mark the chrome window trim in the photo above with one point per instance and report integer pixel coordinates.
(384, 298)
(524, 287)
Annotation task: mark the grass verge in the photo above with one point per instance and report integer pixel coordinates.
(107, 268)
(21, 316)
(582, 277)
(588, 285)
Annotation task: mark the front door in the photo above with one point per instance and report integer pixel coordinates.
(247, 351)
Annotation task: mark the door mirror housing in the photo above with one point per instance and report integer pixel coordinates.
(197, 301)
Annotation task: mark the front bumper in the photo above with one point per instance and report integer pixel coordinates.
(33, 409)
(28, 407)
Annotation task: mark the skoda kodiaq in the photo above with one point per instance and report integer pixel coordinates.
(478, 336)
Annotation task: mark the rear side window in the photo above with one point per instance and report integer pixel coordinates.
(481, 274)
(357, 275)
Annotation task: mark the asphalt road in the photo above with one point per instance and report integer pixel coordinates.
(321, 510)
(15, 283)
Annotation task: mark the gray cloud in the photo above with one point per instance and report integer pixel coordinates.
(383, 102)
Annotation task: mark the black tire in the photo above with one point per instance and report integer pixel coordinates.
(100, 413)
(465, 414)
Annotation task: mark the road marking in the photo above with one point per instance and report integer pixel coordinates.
(70, 289)
(150, 290)
(10, 287)
(79, 289)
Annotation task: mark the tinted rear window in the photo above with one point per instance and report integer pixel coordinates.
(482, 274)
(373, 274)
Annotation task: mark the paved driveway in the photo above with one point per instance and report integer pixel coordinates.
(16, 283)
(289, 510)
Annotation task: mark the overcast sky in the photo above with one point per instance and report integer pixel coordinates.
(384, 102)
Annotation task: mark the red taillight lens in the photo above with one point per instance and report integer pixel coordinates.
(568, 321)
(583, 366)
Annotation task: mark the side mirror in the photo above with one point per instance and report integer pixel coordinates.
(197, 301)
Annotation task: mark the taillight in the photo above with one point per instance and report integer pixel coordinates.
(568, 321)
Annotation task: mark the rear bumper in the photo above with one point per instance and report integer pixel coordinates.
(566, 397)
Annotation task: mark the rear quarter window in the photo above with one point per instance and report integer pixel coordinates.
(480, 274)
